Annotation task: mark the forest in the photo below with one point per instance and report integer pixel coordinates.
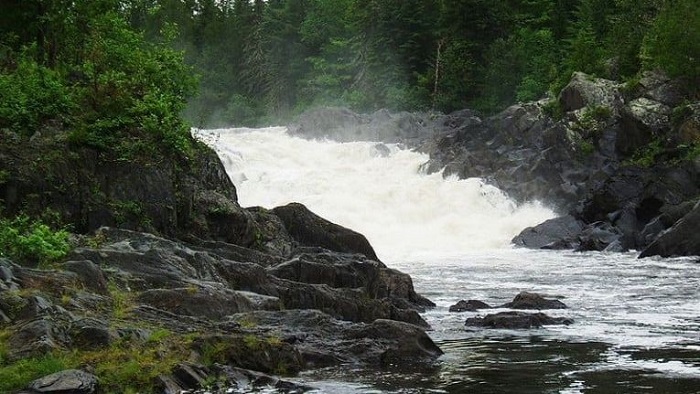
(111, 64)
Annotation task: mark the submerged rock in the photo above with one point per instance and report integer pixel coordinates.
(516, 320)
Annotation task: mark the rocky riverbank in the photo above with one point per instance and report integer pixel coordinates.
(173, 286)
(619, 162)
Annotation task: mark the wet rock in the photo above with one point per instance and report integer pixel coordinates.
(586, 91)
(71, 381)
(36, 337)
(309, 229)
(683, 239)
(526, 300)
(469, 306)
(516, 320)
(598, 236)
(324, 341)
(556, 233)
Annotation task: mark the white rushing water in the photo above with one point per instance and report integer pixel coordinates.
(404, 213)
(453, 237)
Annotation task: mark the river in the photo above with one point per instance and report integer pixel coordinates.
(636, 322)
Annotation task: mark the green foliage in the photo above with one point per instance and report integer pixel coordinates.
(30, 241)
(16, 376)
(673, 43)
(31, 94)
(647, 156)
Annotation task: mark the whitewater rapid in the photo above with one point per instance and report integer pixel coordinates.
(378, 190)
(636, 322)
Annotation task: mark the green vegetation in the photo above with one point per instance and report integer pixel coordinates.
(31, 241)
(262, 60)
(113, 72)
(15, 376)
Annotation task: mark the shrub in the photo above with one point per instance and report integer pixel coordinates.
(32, 242)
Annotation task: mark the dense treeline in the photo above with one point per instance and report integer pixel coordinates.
(274, 58)
(103, 66)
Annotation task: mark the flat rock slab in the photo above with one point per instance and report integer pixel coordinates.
(70, 381)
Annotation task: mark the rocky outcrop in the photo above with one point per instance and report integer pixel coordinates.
(309, 229)
(324, 307)
(683, 239)
(170, 270)
(516, 320)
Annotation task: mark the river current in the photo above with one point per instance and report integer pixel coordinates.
(636, 321)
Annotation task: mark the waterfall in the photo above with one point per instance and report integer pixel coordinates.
(378, 190)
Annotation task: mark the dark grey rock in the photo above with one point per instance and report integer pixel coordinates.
(90, 275)
(550, 234)
(469, 306)
(683, 239)
(526, 300)
(587, 91)
(309, 229)
(71, 381)
(516, 320)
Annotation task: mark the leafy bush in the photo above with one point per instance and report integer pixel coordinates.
(31, 95)
(32, 242)
(673, 43)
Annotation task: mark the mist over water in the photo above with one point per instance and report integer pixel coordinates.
(377, 190)
(636, 322)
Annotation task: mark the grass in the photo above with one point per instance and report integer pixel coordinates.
(18, 375)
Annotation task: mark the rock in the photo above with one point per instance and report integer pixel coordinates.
(469, 306)
(210, 302)
(309, 229)
(586, 91)
(89, 274)
(598, 236)
(525, 300)
(683, 239)
(516, 320)
(324, 341)
(689, 124)
(642, 121)
(71, 381)
(91, 333)
(550, 234)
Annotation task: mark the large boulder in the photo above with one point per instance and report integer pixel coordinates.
(586, 91)
(643, 120)
(309, 229)
(557, 233)
(683, 239)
